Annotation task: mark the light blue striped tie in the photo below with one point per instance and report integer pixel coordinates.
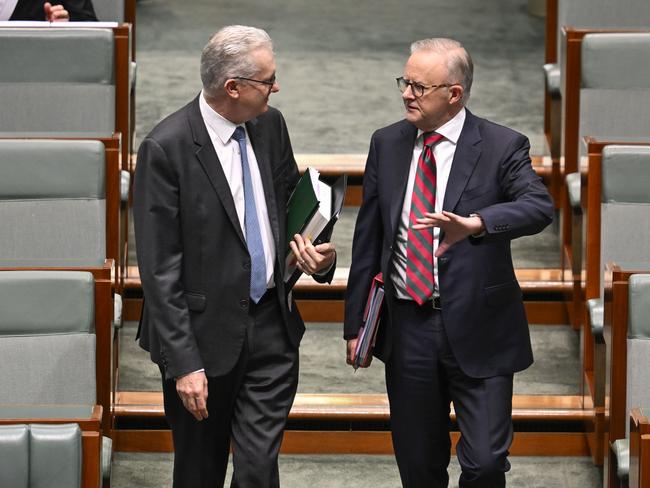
(253, 235)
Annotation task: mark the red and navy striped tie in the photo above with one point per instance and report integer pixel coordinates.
(419, 252)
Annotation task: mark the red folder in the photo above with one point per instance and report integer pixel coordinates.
(371, 317)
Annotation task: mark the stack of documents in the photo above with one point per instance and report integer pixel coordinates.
(371, 316)
(312, 210)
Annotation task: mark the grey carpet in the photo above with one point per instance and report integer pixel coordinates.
(337, 61)
(323, 368)
(131, 470)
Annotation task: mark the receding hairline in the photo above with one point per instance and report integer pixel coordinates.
(455, 57)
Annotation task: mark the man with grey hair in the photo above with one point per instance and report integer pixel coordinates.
(210, 193)
(444, 193)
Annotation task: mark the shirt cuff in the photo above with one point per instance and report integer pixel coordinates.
(325, 271)
(202, 370)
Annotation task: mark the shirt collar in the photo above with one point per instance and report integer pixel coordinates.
(221, 126)
(451, 129)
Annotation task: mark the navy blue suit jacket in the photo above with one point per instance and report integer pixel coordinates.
(482, 304)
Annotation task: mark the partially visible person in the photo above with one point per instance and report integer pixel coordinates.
(66, 10)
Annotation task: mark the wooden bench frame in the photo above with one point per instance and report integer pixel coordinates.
(106, 354)
(639, 448)
(91, 439)
(616, 317)
(586, 276)
(552, 107)
(122, 63)
(571, 95)
(116, 213)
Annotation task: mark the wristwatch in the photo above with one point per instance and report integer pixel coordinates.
(482, 233)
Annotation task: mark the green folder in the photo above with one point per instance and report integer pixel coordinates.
(302, 204)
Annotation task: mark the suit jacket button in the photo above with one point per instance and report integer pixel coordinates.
(247, 265)
(243, 303)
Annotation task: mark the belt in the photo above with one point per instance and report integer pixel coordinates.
(433, 302)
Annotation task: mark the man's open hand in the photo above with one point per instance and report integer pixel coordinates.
(193, 390)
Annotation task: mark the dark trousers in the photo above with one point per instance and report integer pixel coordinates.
(249, 406)
(422, 377)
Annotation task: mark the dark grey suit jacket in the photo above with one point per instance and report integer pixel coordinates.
(193, 259)
(482, 303)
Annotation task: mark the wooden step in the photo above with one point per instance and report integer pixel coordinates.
(366, 407)
(344, 420)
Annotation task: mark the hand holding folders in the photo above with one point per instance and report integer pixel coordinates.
(312, 210)
(371, 316)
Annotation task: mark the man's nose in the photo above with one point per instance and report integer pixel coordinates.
(408, 93)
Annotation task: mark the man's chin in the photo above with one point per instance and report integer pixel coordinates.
(411, 116)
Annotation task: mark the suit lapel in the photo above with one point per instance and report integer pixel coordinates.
(466, 156)
(398, 171)
(212, 167)
(262, 156)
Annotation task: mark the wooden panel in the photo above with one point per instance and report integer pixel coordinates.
(639, 448)
(142, 441)
(542, 312)
(122, 35)
(131, 309)
(351, 442)
(91, 467)
(321, 310)
(369, 407)
(104, 336)
(550, 32)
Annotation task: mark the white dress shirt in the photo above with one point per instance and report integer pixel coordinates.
(7, 8)
(227, 149)
(443, 152)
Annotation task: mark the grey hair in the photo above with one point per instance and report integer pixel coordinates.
(227, 55)
(459, 63)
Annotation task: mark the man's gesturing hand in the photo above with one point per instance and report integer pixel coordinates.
(456, 227)
(55, 13)
(193, 390)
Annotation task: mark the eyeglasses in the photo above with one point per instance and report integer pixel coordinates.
(270, 82)
(417, 88)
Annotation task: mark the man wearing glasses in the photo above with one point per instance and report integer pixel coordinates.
(444, 193)
(210, 195)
